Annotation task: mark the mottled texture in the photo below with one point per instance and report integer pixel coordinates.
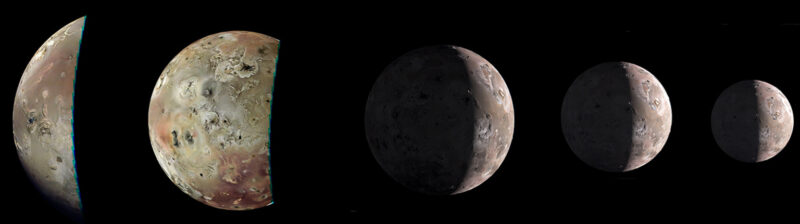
(209, 119)
(439, 120)
(616, 116)
(752, 121)
(43, 118)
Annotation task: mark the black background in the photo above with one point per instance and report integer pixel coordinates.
(332, 53)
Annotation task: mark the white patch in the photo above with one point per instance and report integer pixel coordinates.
(228, 36)
(39, 54)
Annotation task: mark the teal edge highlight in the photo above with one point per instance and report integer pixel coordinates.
(269, 129)
(72, 119)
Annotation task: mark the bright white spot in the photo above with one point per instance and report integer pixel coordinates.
(38, 55)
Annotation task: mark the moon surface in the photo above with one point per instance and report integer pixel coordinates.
(209, 119)
(439, 120)
(43, 119)
(752, 121)
(616, 116)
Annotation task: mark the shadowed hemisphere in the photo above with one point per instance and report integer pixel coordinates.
(734, 121)
(596, 117)
(419, 122)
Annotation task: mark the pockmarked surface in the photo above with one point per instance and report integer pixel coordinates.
(616, 117)
(752, 121)
(43, 119)
(209, 119)
(440, 120)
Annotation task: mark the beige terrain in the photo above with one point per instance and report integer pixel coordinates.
(209, 119)
(43, 118)
(616, 116)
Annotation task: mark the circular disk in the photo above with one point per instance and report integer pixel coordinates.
(752, 121)
(209, 119)
(439, 120)
(616, 116)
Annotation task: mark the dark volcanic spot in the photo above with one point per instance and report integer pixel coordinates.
(423, 96)
(246, 67)
(188, 136)
(263, 50)
(175, 138)
(207, 92)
